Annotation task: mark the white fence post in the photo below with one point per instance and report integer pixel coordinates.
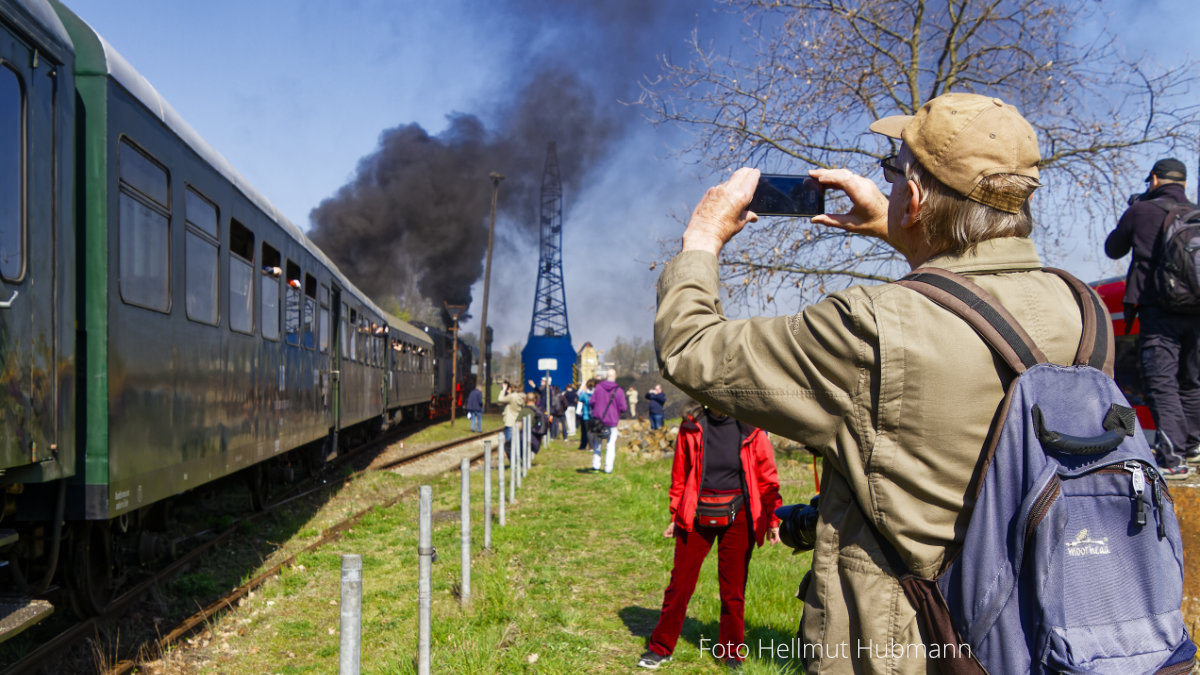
(424, 582)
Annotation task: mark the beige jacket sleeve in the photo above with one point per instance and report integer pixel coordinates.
(806, 377)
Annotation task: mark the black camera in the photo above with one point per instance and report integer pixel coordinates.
(798, 525)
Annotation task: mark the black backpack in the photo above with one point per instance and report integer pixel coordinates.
(1177, 274)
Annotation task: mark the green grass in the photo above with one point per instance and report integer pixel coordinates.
(573, 583)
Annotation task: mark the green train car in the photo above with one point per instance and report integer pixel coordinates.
(161, 324)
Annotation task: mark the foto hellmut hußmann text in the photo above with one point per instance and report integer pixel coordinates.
(862, 649)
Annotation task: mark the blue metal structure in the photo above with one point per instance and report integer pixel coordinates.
(549, 335)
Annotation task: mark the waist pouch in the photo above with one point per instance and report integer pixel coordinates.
(718, 510)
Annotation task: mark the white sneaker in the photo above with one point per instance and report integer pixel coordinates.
(651, 660)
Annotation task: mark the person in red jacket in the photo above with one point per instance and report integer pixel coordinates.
(718, 460)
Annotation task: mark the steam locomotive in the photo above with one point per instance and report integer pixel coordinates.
(161, 324)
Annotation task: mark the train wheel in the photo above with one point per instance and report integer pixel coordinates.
(259, 486)
(91, 580)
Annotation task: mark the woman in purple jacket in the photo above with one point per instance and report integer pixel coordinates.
(608, 403)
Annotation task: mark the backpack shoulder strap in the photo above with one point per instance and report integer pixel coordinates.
(965, 299)
(1097, 345)
(1001, 330)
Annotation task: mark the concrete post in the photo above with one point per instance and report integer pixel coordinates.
(351, 625)
(518, 462)
(465, 540)
(425, 578)
(487, 495)
(500, 470)
(528, 443)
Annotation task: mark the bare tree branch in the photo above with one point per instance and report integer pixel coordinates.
(812, 74)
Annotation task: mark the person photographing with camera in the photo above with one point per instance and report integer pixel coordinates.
(894, 392)
(1169, 340)
(724, 490)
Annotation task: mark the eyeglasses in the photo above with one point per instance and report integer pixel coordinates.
(891, 172)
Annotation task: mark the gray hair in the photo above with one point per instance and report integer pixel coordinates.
(955, 224)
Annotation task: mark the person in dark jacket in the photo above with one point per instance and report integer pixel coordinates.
(538, 423)
(716, 456)
(655, 400)
(570, 401)
(474, 408)
(1169, 343)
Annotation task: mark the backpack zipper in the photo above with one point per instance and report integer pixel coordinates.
(1139, 486)
(1041, 506)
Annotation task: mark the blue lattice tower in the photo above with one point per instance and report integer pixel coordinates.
(549, 334)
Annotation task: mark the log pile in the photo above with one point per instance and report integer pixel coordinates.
(637, 438)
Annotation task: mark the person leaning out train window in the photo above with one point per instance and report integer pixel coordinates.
(724, 489)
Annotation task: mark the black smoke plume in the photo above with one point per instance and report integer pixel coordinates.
(416, 212)
(418, 207)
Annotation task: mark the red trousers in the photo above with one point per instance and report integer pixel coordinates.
(734, 547)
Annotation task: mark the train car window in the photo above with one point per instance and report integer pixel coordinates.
(12, 194)
(345, 334)
(241, 278)
(201, 213)
(144, 226)
(310, 312)
(323, 326)
(201, 250)
(377, 345)
(360, 339)
(354, 338)
(271, 275)
(291, 308)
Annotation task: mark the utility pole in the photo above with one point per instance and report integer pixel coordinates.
(484, 370)
(454, 311)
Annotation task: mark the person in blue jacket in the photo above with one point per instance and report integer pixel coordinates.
(474, 408)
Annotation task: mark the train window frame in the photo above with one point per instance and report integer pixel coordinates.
(13, 212)
(201, 234)
(292, 303)
(353, 339)
(272, 275)
(308, 315)
(344, 335)
(241, 241)
(143, 208)
(324, 319)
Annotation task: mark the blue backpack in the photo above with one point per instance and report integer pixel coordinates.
(1072, 559)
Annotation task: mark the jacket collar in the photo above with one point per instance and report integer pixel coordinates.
(1173, 191)
(1003, 254)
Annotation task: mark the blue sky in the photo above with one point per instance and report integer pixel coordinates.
(294, 94)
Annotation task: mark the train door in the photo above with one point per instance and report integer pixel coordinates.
(28, 163)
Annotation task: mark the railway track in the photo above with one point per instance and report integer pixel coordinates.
(76, 634)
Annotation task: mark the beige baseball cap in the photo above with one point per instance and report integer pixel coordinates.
(963, 138)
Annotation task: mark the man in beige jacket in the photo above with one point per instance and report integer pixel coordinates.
(513, 402)
(895, 393)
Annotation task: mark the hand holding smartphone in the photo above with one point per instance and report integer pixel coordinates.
(778, 195)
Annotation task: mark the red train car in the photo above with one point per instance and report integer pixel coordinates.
(1127, 369)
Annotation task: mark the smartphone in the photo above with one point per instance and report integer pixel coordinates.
(788, 196)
